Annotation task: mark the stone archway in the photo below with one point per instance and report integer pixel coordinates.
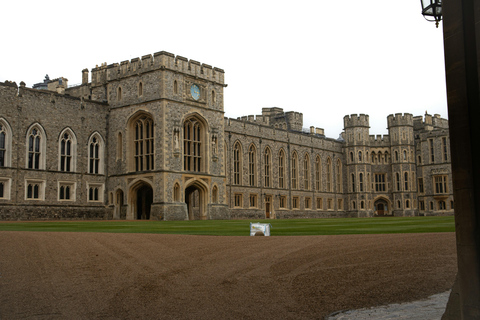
(140, 199)
(382, 207)
(144, 202)
(196, 200)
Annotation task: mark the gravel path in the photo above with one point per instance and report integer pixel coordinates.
(131, 276)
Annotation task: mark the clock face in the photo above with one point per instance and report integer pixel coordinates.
(195, 91)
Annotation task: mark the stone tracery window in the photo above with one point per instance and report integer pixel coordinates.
(281, 169)
(36, 147)
(318, 166)
(306, 172)
(95, 154)
(294, 170)
(267, 157)
(3, 149)
(67, 145)
(5, 144)
(237, 153)
(193, 145)
(252, 174)
(329, 175)
(143, 144)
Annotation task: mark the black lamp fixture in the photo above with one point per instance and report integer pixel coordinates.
(432, 9)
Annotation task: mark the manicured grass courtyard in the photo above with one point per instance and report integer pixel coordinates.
(294, 227)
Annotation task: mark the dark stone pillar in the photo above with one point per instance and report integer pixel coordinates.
(461, 28)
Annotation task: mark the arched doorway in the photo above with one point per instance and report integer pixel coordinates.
(196, 199)
(381, 207)
(268, 207)
(144, 202)
(118, 205)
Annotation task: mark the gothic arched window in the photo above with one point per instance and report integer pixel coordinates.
(329, 175)
(306, 172)
(95, 154)
(281, 169)
(67, 146)
(142, 143)
(237, 153)
(36, 147)
(294, 170)
(252, 168)
(267, 159)
(318, 173)
(193, 145)
(5, 144)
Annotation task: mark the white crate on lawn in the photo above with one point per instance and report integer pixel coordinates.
(263, 227)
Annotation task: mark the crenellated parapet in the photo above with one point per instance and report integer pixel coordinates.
(159, 61)
(259, 119)
(354, 120)
(428, 122)
(379, 140)
(400, 120)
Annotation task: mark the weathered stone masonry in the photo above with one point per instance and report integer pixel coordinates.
(147, 139)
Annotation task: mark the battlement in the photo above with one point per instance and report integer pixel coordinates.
(259, 119)
(7, 83)
(355, 120)
(275, 111)
(378, 140)
(159, 61)
(428, 122)
(400, 120)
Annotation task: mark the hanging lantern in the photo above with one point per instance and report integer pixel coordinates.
(432, 10)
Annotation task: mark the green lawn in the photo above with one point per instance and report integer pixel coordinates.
(294, 227)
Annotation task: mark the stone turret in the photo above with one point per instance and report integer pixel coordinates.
(356, 129)
(400, 128)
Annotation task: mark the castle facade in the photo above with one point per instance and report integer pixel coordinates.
(147, 139)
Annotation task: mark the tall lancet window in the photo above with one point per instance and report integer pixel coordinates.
(192, 145)
(144, 144)
(66, 151)
(36, 148)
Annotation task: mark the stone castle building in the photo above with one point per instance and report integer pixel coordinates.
(147, 139)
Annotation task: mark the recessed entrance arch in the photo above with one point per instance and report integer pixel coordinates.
(144, 202)
(196, 199)
(382, 207)
(140, 201)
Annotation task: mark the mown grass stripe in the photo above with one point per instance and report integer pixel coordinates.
(241, 227)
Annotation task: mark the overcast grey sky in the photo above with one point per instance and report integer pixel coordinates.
(325, 59)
